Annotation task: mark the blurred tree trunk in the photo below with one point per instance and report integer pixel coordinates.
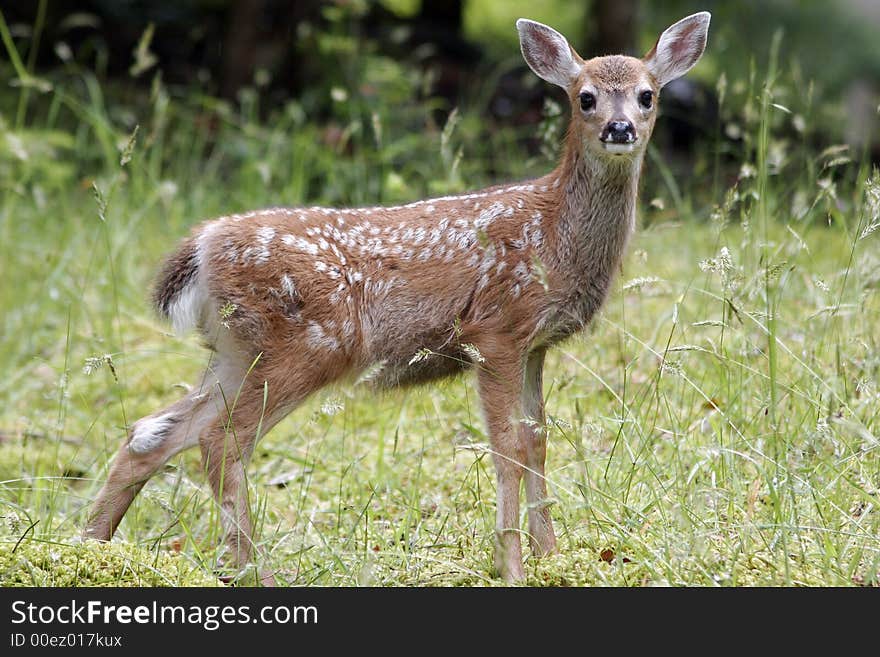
(444, 14)
(261, 33)
(239, 46)
(441, 23)
(611, 27)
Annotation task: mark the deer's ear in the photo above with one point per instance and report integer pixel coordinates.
(547, 53)
(678, 48)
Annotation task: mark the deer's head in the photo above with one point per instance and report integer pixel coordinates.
(614, 98)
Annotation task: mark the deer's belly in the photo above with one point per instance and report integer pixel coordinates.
(422, 367)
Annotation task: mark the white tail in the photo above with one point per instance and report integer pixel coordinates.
(489, 279)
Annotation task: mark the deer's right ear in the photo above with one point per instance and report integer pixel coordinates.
(547, 53)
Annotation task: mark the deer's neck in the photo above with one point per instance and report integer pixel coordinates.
(598, 207)
(596, 217)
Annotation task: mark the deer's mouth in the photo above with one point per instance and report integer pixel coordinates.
(617, 148)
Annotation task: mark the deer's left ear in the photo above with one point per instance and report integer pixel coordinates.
(678, 48)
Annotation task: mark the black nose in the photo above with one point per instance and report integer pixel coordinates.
(619, 132)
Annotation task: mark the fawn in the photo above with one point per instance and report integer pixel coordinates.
(292, 299)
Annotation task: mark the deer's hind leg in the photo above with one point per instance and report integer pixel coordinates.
(268, 394)
(226, 446)
(150, 444)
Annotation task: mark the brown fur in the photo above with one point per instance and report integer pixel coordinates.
(292, 299)
(177, 272)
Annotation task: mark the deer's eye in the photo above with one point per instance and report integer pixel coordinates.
(588, 101)
(646, 99)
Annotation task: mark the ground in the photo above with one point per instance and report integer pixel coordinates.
(677, 456)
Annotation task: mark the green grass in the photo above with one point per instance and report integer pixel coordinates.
(717, 425)
(662, 449)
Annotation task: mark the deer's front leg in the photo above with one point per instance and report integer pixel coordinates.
(541, 536)
(500, 383)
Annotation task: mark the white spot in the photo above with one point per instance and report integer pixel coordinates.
(464, 240)
(337, 253)
(300, 244)
(265, 234)
(259, 255)
(318, 339)
(230, 251)
(149, 433)
(488, 260)
(374, 248)
(287, 286)
(490, 214)
(320, 266)
(338, 292)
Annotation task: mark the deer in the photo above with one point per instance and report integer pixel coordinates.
(291, 300)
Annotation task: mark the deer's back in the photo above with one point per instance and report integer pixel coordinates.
(369, 284)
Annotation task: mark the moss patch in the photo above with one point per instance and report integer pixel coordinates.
(39, 563)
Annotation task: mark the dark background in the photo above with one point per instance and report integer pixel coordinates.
(335, 65)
